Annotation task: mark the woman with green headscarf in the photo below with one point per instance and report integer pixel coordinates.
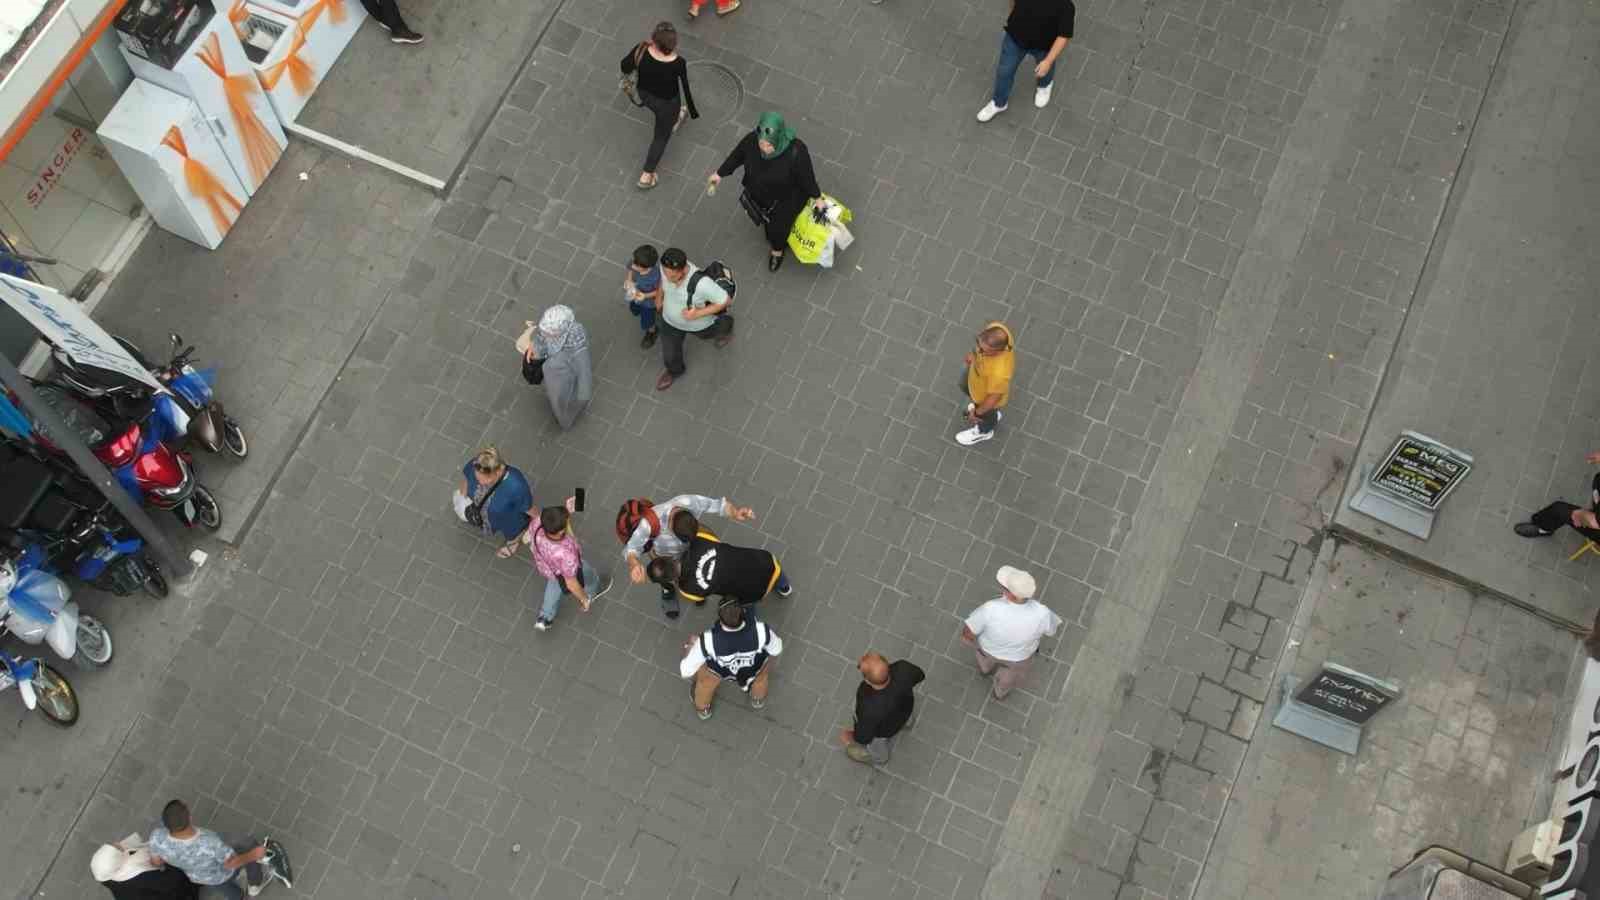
(778, 180)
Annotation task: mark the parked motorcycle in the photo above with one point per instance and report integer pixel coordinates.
(137, 453)
(36, 607)
(59, 523)
(41, 687)
(202, 419)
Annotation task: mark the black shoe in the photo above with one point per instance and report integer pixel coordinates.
(406, 36)
(774, 262)
(1529, 530)
(673, 614)
(649, 339)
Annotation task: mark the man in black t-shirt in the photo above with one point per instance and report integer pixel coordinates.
(709, 567)
(1037, 28)
(884, 705)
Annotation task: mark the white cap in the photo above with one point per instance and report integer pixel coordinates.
(1016, 581)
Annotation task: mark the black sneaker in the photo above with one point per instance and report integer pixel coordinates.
(405, 37)
(1529, 530)
(649, 339)
(673, 614)
(786, 590)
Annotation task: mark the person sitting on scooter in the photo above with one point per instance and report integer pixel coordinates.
(496, 498)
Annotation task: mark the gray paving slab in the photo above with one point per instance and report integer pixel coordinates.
(424, 105)
(1459, 761)
(1508, 246)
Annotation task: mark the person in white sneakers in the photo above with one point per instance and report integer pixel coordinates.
(1005, 632)
(987, 382)
(1037, 28)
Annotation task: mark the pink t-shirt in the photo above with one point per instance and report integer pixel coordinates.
(555, 559)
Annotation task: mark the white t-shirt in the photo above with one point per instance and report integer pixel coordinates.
(675, 300)
(1011, 631)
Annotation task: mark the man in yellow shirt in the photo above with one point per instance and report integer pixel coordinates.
(988, 382)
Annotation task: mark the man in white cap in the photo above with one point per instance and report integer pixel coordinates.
(1005, 632)
(128, 872)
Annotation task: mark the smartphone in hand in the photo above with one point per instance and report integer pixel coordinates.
(577, 502)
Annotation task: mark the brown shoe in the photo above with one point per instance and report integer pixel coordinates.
(723, 341)
(858, 753)
(663, 381)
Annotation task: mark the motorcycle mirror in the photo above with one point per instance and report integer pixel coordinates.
(176, 341)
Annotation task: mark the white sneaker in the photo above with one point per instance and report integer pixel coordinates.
(989, 111)
(1041, 96)
(972, 436)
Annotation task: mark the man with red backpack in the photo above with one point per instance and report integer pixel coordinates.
(644, 529)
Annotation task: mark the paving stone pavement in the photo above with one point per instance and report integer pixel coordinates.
(367, 683)
(1510, 243)
(1461, 760)
(422, 105)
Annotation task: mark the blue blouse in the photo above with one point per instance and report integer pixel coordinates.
(507, 511)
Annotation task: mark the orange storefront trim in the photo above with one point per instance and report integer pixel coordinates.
(41, 101)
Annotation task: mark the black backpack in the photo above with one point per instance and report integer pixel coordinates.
(718, 272)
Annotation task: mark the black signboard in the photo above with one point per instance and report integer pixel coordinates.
(1421, 471)
(1346, 694)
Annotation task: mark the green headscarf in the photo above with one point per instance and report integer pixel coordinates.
(770, 127)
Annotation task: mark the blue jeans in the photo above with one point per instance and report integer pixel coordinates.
(646, 311)
(1005, 72)
(553, 589)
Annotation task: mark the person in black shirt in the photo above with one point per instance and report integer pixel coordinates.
(387, 14)
(778, 180)
(661, 70)
(710, 567)
(1037, 28)
(884, 705)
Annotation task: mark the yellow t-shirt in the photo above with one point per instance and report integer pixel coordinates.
(991, 375)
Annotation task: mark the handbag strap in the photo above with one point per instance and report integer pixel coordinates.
(484, 500)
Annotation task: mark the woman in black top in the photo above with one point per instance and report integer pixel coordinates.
(660, 70)
(778, 180)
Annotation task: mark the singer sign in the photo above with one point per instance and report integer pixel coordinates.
(61, 322)
(1573, 874)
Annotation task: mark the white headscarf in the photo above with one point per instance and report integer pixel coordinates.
(121, 861)
(559, 330)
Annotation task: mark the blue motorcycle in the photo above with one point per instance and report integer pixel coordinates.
(188, 404)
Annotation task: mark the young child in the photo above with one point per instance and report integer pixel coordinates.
(642, 290)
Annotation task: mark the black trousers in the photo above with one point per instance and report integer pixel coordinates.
(782, 222)
(387, 12)
(986, 422)
(672, 340)
(1559, 514)
(666, 113)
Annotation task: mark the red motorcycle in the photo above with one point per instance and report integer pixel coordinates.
(141, 457)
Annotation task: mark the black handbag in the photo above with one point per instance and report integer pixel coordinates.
(533, 370)
(474, 511)
(757, 213)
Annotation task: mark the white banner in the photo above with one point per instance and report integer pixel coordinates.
(62, 323)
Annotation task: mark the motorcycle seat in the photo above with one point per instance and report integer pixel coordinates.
(23, 483)
(102, 378)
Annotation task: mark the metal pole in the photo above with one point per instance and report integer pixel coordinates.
(174, 562)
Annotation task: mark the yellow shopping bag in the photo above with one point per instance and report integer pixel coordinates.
(809, 235)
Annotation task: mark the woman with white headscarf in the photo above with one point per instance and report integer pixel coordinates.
(128, 872)
(563, 345)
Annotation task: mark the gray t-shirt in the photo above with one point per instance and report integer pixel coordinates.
(200, 857)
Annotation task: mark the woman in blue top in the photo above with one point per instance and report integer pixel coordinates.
(502, 495)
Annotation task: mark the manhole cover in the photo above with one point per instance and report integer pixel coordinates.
(718, 92)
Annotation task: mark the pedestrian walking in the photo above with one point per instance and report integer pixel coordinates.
(709, 567)
(778, 180)
(987, 382)
(215, 864)
(495, 498)
(1040, 29)
(1005, 631)
(660, 72)
(559, 344)
(641, 288)
(559, 558)
(723, 7)
(644, 530)
(387, 14)
(1559, 514)
(692, 302)
(884, 707)
(739, 648)
(130, 873)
